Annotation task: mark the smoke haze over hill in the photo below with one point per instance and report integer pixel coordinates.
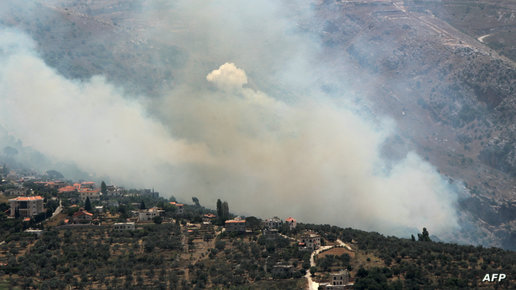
(246, 119)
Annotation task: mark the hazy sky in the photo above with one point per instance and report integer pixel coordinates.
(246, 121)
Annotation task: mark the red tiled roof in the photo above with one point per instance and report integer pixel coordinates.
(210, 215)
(86, 190)
(68, 188)
(82, 212)
(290, 219)
(27, 198)
(27, 219)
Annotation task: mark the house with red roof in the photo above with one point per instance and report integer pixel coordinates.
(179, 207)
(68, 188)
(82, 217)
(235, 225)
(26, 206)
(291, 222)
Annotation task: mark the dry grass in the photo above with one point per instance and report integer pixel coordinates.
(336, 252)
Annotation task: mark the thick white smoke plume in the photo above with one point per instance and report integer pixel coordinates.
(244, 122)
(227, 77)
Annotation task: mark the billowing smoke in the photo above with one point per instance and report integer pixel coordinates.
(245, 121)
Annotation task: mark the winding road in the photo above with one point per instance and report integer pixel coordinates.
(481, 38)
(312, 285)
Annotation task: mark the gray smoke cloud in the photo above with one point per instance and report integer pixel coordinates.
(246, 121)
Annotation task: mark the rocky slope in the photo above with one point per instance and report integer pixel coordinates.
(453, 97)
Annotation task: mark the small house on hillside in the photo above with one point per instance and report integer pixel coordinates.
(291, 222)
(311, 240)
(273, 223)
(82, 217)
(26, 206)
(235, 226)
(179, 207)
(149, 214)
(129, 226)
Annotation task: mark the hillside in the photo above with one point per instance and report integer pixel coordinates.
(159, 256)
(445, 78)
(453, 97)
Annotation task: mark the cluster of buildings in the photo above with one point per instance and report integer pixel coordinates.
(276, 223)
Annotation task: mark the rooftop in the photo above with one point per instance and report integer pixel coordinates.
(234, 221)
(27, 198)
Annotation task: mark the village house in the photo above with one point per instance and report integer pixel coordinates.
(338, 280)
(51, 184)
(282, 271)
(82, 217)
(87, 190)
(26, 206)
(34, 231)
(179, 207)
(99, 209)
(291, 222)
(207, 227)
(235, 225)
(209, 217)
(312, 241)
(148, 214)
(67, 189)
(113, 190)
(129, 226)
(273, 223)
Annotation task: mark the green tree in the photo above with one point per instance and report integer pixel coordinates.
(253, 222)
(225, 211)
(157, 220)
(219, 208)
(424, 236)
(87, 204)
(196, 201)
(142, 205)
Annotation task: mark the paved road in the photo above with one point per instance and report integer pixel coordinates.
(58, 210)
(312, 285)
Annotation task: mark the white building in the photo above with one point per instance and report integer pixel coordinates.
(273, 223)
(129, 226)
(312, 241)
(338, 280)
(149, 214)
(291, 222)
